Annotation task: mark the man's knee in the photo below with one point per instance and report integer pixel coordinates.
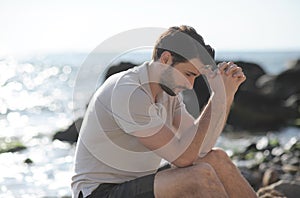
(204, 179)
(201, 170)
(218, 158)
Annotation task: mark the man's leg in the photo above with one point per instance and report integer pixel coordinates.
(199, 180)
(235, 184)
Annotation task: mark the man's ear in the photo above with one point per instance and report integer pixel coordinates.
(166, 58)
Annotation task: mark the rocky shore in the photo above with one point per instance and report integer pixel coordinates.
(270, 166)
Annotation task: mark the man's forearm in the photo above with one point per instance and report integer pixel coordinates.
(192, 137)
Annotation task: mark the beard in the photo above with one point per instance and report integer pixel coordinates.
(167, 81)
(167, 89)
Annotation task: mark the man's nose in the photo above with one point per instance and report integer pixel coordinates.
(190, 83)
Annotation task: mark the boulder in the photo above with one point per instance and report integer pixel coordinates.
(282, 188)
(122, 66)
(259, 112)
(284, 85)
(71, 133)
(265, 102)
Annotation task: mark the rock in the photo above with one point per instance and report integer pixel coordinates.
(28, 161)
(293, 64)
(270, 176)
(289, 189)
(259, 112)
(277, 151)
(197, 98)
(272, 160)
(8, 145)
(283, 85)
(122, 66)
(292, 144)
(253, 177)
(289, 168)
(262, 143)
(71, 134)
(269, 193)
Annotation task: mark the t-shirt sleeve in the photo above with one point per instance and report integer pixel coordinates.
(134, 111)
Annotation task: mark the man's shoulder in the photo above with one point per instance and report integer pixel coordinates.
(128, 77)
(123, 84)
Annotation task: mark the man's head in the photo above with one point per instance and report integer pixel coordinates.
(180, 47)
(181, 43)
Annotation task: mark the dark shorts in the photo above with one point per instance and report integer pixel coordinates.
(141, 187)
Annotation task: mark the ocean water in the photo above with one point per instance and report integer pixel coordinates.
(36, 100)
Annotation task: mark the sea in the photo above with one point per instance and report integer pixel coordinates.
(42, 94)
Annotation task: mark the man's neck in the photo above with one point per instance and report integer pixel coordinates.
(154, 72)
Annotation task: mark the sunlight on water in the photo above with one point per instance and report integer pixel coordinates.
(49, 175)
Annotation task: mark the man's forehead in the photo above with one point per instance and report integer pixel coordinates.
(196, 63)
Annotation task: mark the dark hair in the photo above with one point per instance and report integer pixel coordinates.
(180, 42)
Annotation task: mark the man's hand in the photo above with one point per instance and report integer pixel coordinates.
(233, 77)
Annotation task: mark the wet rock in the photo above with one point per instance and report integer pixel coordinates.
(70, 134)
(287, 83)
(270, 176)
(266, 102)
(259, 112)
(197, 98)
(28, 161)
(277, 151)
(292, 144)
(285, 86)
(274, 161)
(289, 189)
(9, 145)
(289, 168)
(293, 64)
(253, 177)
(262, 143)
(122, 66)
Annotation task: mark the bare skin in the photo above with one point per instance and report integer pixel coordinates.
(213, 175)
(199, 180)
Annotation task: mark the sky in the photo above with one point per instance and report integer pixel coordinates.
(36, 26)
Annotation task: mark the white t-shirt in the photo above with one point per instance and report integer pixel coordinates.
(106, 151)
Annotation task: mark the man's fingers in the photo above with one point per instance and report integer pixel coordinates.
(241, 78)
(234, 70)
(231, 69)
(223, 66)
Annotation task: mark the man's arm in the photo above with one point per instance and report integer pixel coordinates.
(232, 77)
(183, 150)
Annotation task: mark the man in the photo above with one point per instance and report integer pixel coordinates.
(137, 118)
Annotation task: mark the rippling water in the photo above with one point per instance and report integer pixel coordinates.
(36, 100)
